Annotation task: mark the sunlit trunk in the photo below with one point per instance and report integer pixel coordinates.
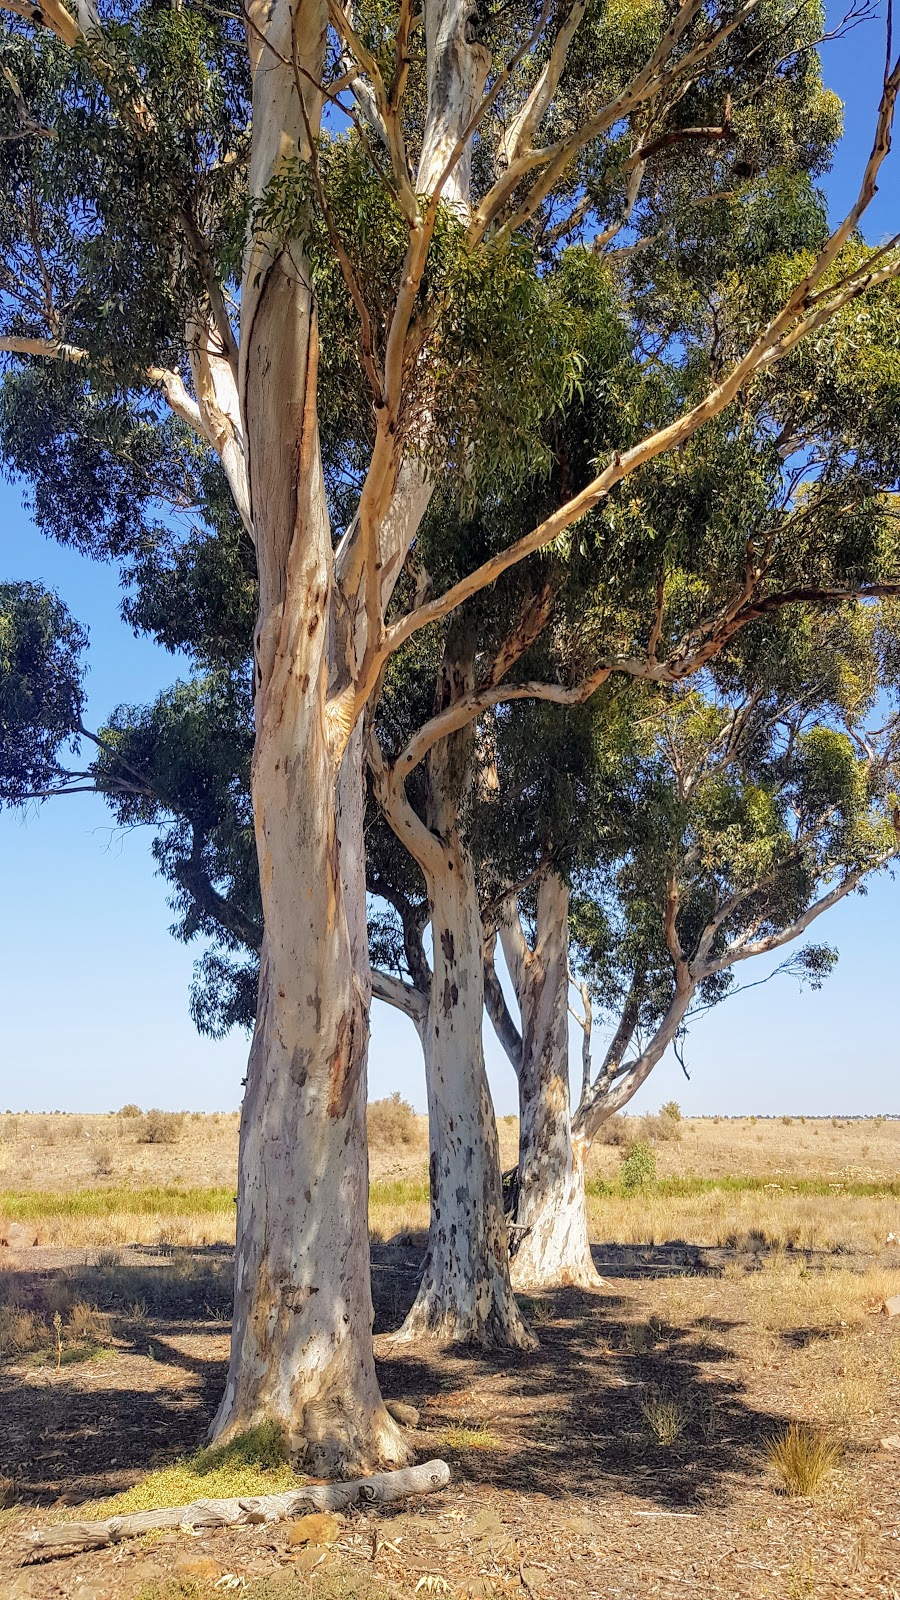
(549, 1233)
(465, 1292)
(301, 1350)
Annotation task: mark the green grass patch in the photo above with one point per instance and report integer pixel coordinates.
(171, 1201)
(30, 1205)
(399, 1192)
(73, 1355)
(253, 1463)
(33, 1204)
(689, 1187)
(457, 1438)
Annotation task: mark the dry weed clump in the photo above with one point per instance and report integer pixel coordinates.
(60, 1330)
(802, 1458)
(666, 1418)
(391, 1122)
(617, 1131)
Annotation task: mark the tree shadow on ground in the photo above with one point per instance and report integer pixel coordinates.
(94, 1427)
(607, 1403)
(581, 1416)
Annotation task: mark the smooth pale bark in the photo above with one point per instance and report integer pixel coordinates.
(465, 1291)
(549, 1233)
(301, 1342)
(301, 1349)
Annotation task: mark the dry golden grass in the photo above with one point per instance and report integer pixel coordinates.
(795, 1185)
(666, 1418)
(747, 1219)
(58, 1150)
(802, 1459)
(730, 1220)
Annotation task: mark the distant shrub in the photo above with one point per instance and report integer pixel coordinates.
(131, 1110)
(103, 1161)
(616, 1130)
(660, 1127)
(638, 1168)
(160, 1127)
(391, 1121)
(671, 1109)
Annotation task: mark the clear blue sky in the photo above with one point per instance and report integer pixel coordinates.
(94, 990)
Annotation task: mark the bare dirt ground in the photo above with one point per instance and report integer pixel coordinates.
(561, 1485)
(626, 1459)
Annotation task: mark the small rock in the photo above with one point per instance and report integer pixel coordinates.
(319, 1527)
(202, 1567)
(531, 1578)
(402, 1412)
(892, 1442)
(891, 1307)
(309, 1557)
(16, 1236)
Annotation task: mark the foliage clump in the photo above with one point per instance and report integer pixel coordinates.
(160, 1127)
(391, 1121)
(638, 1168)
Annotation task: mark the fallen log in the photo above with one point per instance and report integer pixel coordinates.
(378, 1490)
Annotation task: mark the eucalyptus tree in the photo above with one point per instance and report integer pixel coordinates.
(759, 812)
(339, 300)
(749, 804)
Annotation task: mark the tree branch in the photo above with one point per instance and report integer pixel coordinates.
(768, 347)
(499, 1012)
(774, 941)
(402, 996)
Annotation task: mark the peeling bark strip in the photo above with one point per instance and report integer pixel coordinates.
(381, 1488)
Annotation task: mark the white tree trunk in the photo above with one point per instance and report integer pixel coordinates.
(549, 1235)
(465, 1291)
(302, 1335)
(301, 1349)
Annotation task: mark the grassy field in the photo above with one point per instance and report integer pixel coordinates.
(780, 1183)
(721, 1420)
